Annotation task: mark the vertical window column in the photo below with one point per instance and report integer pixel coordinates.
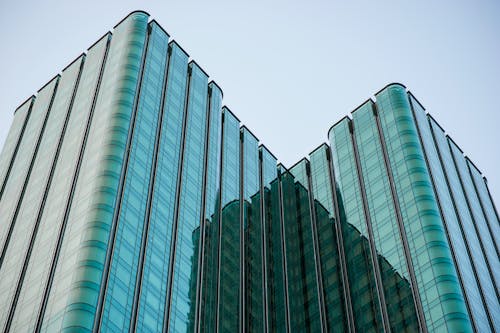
(367, 293)
(184, 258)
(124, 265)
(335, 284)
(229, 293)
(303, 257)
(386, 234)
(277, 285)
(252, 296)
(268, 174)
(210, 204)
(156, 269)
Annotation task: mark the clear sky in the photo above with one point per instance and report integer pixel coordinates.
(290, 69)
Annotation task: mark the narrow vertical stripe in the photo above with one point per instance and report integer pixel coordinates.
(168, 299)
(201, 247)
(409, 263)
(283, 248)
(340, 237)
(369, 227)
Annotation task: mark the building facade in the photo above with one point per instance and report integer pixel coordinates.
(131, 200)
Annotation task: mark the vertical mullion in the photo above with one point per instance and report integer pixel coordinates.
(263, 234)
(242, 300)
(219, 226)
(283, 248)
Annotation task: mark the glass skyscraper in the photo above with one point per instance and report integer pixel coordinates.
(132, 200)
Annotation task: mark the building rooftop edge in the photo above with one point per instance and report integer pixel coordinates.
(173, 41)
(436, 122)
(318, 148)
(74, 61)
(29, 99)
(138, 11)
(193, 62)
(225, 107)
(263, 147)
(450, 139)
(337, 123)
(474, 165)
(303, 159)
(106, 35)
(416, 99)
(244, 127)
(367, 101)
(215, 84)
(153, 21)
(57, 76)
(389, 85)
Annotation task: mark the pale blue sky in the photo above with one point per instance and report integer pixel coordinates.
(290, 69)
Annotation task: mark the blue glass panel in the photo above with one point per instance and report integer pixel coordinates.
(386, 236)
(123, 271)
(154, 281)
(301, 259)
(254, 302)
(229, 256)
(359, 257)
(268, 175)
(189, 211)
(327, 240)
(486, 203)
(481, 224)
(212, 206)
